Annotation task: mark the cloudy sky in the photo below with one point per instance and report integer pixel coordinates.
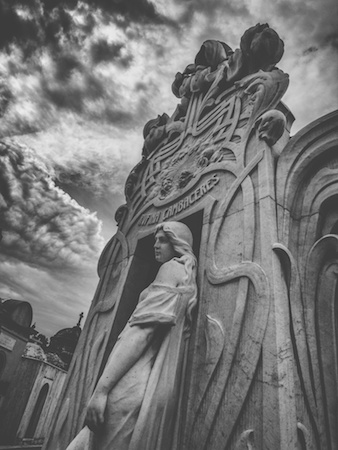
(78, 81)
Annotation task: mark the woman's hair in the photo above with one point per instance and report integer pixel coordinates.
(181, 238)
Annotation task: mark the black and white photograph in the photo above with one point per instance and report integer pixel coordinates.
(168, 224)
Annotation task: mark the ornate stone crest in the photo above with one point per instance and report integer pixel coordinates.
(222, 95)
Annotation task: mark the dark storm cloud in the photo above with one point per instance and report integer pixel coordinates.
(52, 53)
(35, 23)
(103, 51)
(30, 102)
(139, 11)
(313, 23)
(211, 8)
(309, 50)
(308, 23)
(32, 24)
(117, 116)
(42, 225)
(71, 84)
(99, 176)
(17, 29)
(332, 39)
(141, 86)
(66, 64)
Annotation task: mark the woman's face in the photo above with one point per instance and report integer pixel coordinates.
(164, 250)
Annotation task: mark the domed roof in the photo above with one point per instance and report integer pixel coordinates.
(63, 343)
(19, 311)
(67, 337)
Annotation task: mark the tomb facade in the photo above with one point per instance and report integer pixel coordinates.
(262, 369)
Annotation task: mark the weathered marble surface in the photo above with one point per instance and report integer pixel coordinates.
(262, 365)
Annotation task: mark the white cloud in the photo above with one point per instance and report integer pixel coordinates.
(42, 224)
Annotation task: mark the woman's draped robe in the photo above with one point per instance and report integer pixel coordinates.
(142, 407)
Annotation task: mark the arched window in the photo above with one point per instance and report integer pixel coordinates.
(34, 420)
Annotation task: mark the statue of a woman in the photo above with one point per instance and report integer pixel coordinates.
(135, 403)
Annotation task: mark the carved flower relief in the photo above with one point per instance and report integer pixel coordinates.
(174, 129)
(196, 77)
(187, 83)
(120, 212)
(262, 48)
(181, 84)
(133, 178)
(166, 187)
(154, 137)
(212, 53)
(184, 179)
(200, 81)
(173, 176)
(154, 132)
(204, 159)
(130, 183)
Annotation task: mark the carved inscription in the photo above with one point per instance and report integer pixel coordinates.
(203, 189)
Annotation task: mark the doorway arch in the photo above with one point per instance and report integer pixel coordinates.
(34, 420)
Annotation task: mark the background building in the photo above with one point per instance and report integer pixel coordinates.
(31, 378)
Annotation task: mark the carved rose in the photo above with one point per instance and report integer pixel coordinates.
(120, 213)
(199, 82)
(212, 53)
(261, 47)
(184, 179)
(153, 132)
(175, 87)
(166, 186)
(204, 159)
(181, 84)
(132, 178)
(130, 183)
(155, 123)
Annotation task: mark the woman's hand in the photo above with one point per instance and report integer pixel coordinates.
(95, 411)
(127, 351)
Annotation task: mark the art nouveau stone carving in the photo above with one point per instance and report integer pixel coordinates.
(261, 370)
(306, 188)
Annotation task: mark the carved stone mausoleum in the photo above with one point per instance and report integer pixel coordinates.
(262, 368)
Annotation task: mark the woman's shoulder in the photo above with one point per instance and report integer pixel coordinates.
(171, 272)
(174, 265)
